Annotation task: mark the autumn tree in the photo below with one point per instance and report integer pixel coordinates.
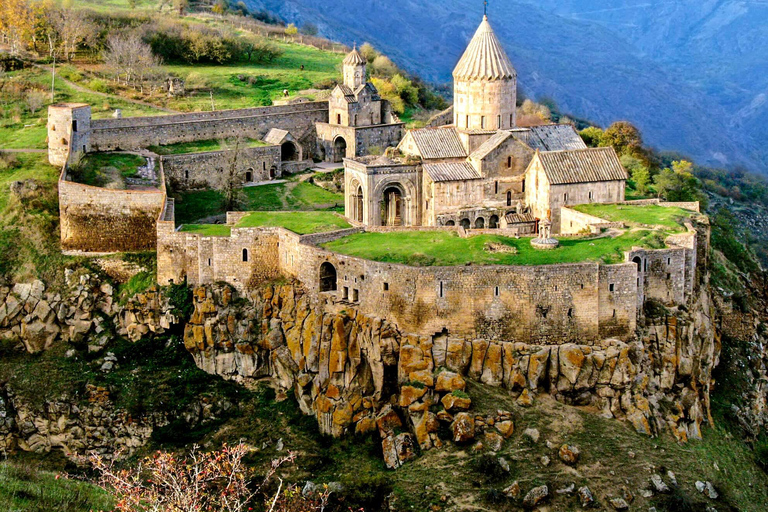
(624, 137)
(592, 136)
(72, 28)
(291, 29)
(130, 60)
(181, 6)
(16, 24)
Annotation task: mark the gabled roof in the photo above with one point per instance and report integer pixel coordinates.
(434, 143)
(582, 166)
(451, 171)
(484, 58)
(519, 218)
(354, 58)
(555, 137)
(347, 92)
(491, 144)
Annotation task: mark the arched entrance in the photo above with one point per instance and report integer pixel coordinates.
(465, 223)
(327, 277)
(289, 152)
(450, 224)
(249, 175)
(272, 173)
(393, 207)
(339, 149)
(639, 262)
(359, 204)
(493, 222)
(479, 223)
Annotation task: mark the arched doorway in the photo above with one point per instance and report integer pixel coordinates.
(249, 175)
(479, 223)
(509, 198)
(327, 277)
(639, 262)
(450, 224)
(359, 204)
(272, 173)
(339, 149)
(289, 152)
(465, 223)
(493, 222)
(393, 207)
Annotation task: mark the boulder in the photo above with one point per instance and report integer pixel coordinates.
(449, 381)
(586, 498)
(569, 454)
(493, 441)
(525, 399)
(532, 434)
(397, 450)
(619, 504)
(463, 428)
(513, 491)
(536, 496)
(658, 484)
(454, 402)
(506, 428)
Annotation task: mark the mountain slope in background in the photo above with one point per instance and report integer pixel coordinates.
(690, 73)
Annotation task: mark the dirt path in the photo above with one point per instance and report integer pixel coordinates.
(85, 90)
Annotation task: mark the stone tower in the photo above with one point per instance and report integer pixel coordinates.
(69, 130)
(354, 69)
(484, 84)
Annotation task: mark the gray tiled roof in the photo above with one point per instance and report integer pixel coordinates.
(488, 146)
(556, 137)
(275, 136)
(582, 166)
(434, 143)
(519, 218)
(354, 58)
(484, 58)
(451, 171)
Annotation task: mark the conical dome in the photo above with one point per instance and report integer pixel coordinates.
(354, 58)
(484, 58)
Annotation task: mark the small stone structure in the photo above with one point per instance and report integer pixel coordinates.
(544, 240)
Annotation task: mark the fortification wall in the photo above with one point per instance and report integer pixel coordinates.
(211, 169)
(573, 222)
(140, 132)
(102, 220)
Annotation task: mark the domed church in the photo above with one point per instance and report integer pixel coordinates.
(482, 171)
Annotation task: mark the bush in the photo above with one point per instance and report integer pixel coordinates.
(9, 248)
(488, 466)
(98, 85)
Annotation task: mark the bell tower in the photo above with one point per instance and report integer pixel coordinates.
(354, 69)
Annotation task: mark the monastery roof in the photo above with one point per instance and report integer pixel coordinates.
(519, 218)
(556, 137)
(484, 58)
(354, 58)
(488, 146)
(434, 143)
(275, 136)
(451, 171)
(582, 166)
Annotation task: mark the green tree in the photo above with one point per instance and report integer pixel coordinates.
(638, 172)
(291, 30)
(679, 183)
(592, 136)
(388, 92)
(406, 89)
(368, 52)
(624, 137)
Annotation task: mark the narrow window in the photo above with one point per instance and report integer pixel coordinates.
(582, 286)
(523, 185)
(645, 263)
(386, 287)
(441, 289)
(496, 291)
(509, 162)
(84, 151)
(466, 122)
(427, 205)
(611, 287)
(511, 120)
(570, 312)
(186, 175)
(669, 261)
(482, 122)
(209, 262)
(555, 287)
(263, 166)
(498, 122)
(509, 198)
(74, 125)
(669, 276)
(614, 313)
(245, 255)
(565, 197)
(345, 293)
(590, 195)
(355, 295)
(338, 118)
(355, 119)
(495, 187)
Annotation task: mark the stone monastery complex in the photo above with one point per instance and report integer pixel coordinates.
(477, 174)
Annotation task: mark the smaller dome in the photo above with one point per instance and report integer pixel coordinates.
(354, 58)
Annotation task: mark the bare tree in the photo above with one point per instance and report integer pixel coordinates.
(73, 28)
(233, 181)
(131, 60)
(34, 100)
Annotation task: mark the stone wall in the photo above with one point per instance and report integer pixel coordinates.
(68, 132)
(360, 141)
(211, 169)
(95, 220)
(140, 132)
(574, 222)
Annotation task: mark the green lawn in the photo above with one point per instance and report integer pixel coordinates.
(102, 169)
(28, 131)
(207, 229)
(635, 215)
(19, 167)
(291, 196)
(263, 83)
(201, 146)
(440, 248)
(23, 487)
(302, 223)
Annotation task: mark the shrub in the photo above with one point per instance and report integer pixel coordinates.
(488, 466)
(459, 393)
(180, 299)
(98, 85)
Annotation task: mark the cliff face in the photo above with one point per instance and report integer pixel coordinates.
(356, 373)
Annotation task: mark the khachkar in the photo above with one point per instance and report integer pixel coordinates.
(545, 240)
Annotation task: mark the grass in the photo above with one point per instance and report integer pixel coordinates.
(202, 146)
(634, 215)
(439, 248)
(24, 487)
(207, 229)
(291, 196)
(303, 223)
(23, 130)
(102, 169)
(23, 167)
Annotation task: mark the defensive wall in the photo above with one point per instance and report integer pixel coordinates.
(211, 169)
(254, 123)
(99, 220)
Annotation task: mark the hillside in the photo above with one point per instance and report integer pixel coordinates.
(688, 73)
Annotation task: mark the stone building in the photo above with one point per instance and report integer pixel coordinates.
(359, 121)
(473, 173)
